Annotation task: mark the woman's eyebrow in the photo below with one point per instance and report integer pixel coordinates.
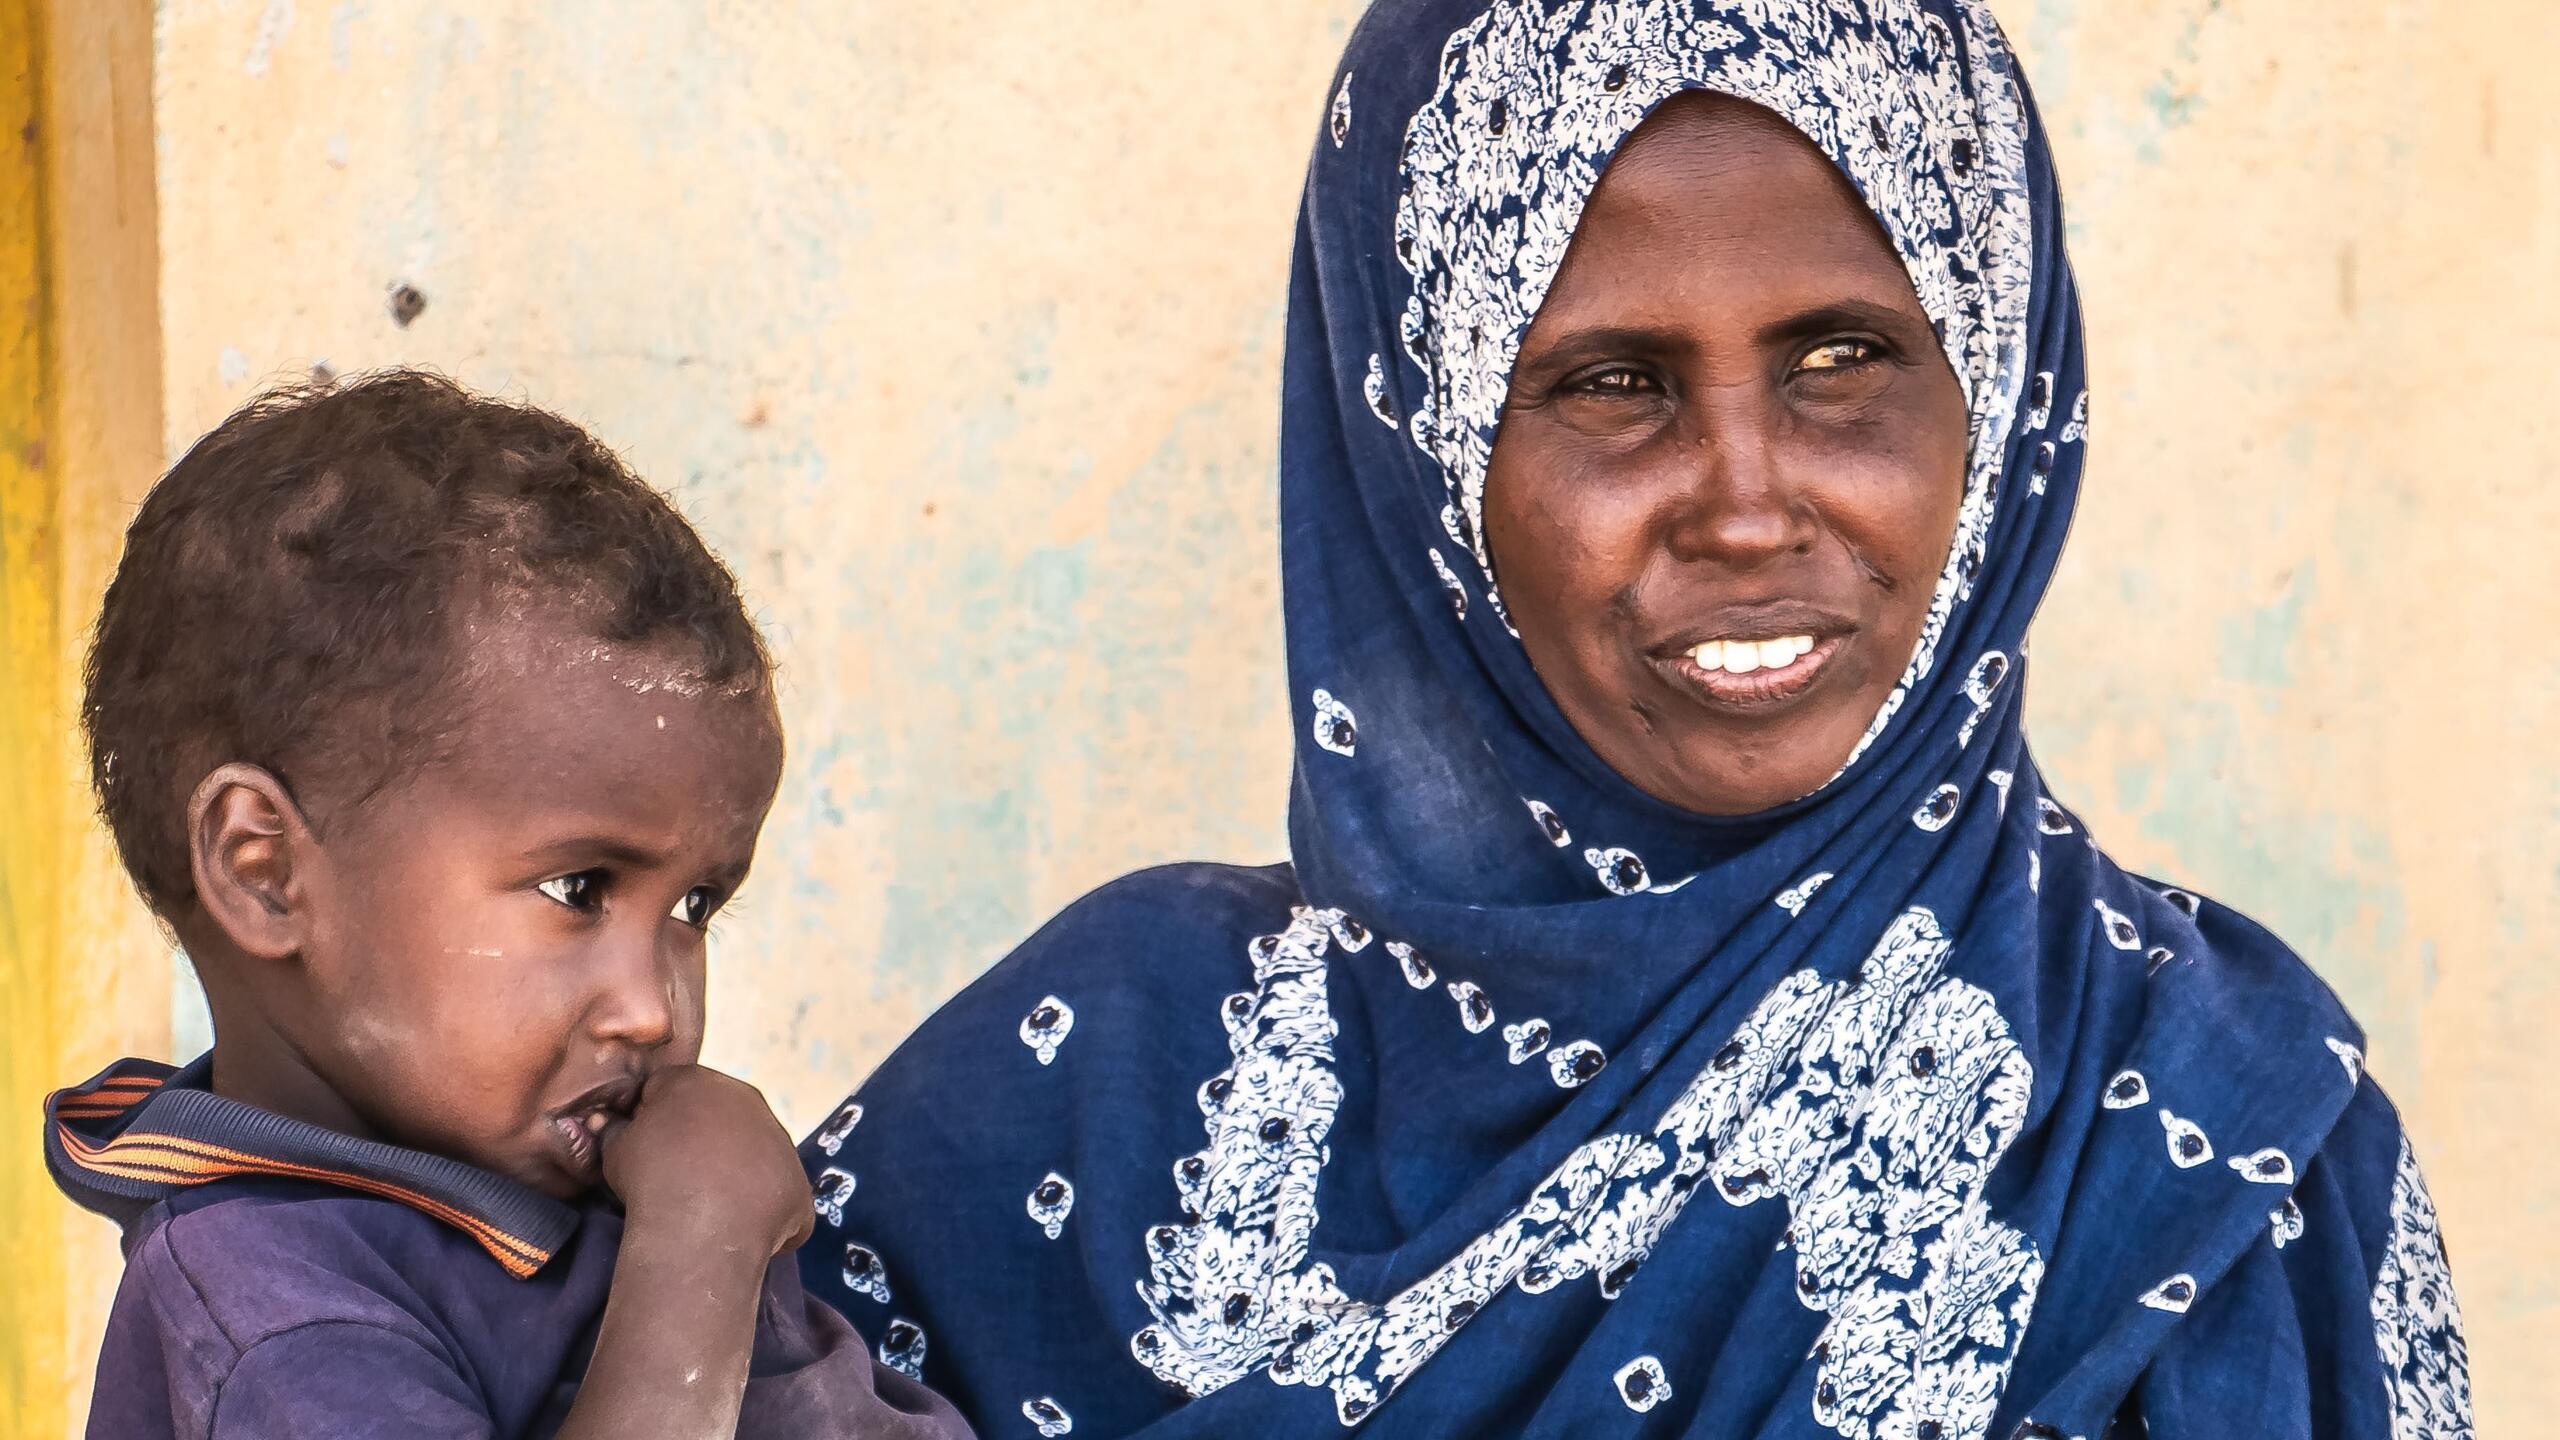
(1573, 346)
(1576, 346)
(1847, 313)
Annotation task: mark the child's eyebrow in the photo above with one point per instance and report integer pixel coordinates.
(594, 850)
(622, 852)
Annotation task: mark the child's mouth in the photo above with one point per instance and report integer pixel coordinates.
(580, 1139)
(581, 1125)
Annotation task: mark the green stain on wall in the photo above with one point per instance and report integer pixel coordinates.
(2259, 645)
(2171, 106)
(2321, 880)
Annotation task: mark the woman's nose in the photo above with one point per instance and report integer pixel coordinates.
(1735, 506)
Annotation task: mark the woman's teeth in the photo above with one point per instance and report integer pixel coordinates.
(1741, 657)
(596, 1121)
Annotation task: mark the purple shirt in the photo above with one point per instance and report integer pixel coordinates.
(283, 1281)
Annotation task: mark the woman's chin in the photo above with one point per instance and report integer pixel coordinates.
(1721, 762)
(1715, 768)
(1731, 796)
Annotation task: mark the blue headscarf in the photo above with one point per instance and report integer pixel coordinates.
(1524, 1103)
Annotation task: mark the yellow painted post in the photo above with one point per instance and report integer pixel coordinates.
(31, 1267)
(84, 975)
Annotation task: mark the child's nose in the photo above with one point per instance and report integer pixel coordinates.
(643, 1003)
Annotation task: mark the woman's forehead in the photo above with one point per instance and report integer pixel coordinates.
(1709, 179)
(1705, 135)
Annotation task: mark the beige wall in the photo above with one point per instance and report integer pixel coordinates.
(957, 329)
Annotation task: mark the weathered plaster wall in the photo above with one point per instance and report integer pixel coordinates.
(956, 328)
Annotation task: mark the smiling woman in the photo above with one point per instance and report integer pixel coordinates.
(1684, 409)
(1727, 473)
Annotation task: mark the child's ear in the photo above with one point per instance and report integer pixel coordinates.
(250, 848)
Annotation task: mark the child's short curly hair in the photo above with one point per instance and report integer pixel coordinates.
(290, 593)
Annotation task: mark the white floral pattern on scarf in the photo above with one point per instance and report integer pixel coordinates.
(2416, 1322)
(1875, 1106)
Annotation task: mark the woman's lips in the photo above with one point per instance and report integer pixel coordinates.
(1766, 687)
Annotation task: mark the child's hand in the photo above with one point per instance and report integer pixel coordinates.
(712, 1192)
(703, 1153)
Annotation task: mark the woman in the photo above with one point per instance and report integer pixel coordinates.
(1686, 1011)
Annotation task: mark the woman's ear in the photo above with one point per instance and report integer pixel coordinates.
(251, 851)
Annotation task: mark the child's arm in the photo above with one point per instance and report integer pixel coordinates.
(711, 1191)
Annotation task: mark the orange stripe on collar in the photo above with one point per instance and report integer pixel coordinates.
(168, 1159)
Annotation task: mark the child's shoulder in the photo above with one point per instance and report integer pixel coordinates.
(292, 1301)
(257, 1256)
(252, 1258)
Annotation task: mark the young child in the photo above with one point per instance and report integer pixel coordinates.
(438, 738)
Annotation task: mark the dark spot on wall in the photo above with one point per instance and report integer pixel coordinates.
(407, 304)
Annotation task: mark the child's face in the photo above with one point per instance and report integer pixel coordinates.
(510, 942)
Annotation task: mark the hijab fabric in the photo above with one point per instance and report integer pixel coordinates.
(1523, 1103)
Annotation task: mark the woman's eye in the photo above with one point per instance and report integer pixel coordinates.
(1838, 355)
(1614, 382)
(696, 906)
(579, 890)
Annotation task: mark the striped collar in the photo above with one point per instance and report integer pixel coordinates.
(139, 1132)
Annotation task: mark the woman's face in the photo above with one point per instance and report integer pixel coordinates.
(1728, 467)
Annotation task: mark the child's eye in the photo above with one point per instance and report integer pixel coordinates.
(579, 890)
(696, 906)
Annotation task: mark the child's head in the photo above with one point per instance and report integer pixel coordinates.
(436, 736)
